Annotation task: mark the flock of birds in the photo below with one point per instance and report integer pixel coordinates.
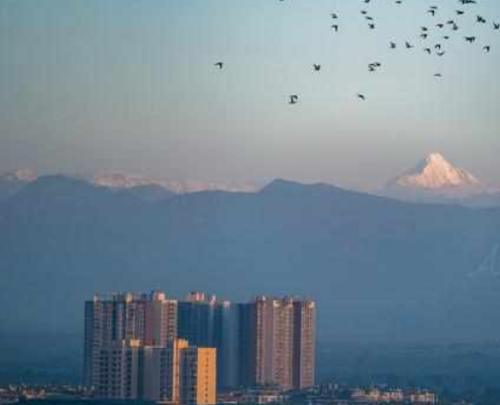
(448, 26)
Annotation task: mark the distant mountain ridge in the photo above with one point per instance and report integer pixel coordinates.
(436, 180)
(12, 182)
(122, 181)
(435, 172)
(378, 268)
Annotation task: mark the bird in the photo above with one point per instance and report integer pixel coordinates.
(372, 66)
(486, 48)
(408, 45)
(392, 45)
(496, 26)
(460, 12)
(334, 15)
(480, 19)
(316, 67)
(438, 75)
(335, 27)
(470, 39)
(361, 96)
(371, 26)
(440, 53)
(428, 50)
(220, 65)
(423, 35)
(293, 99)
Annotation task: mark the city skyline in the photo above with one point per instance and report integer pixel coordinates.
(149, 336)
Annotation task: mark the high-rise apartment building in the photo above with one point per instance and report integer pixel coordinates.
(151, 319)
(304, 342)
(176, 374)
(150, 347)
(159, 372)
(117, 374)
(206, 322)
(198, 376)
(277, 342)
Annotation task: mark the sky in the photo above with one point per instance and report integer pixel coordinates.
(129, 85)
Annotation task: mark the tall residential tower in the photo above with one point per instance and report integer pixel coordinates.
(277, 342)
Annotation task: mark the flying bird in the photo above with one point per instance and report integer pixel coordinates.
(361, 96)
(293, 99)
(316, 67)
(486, 48)
(470, 39)
(220, 65)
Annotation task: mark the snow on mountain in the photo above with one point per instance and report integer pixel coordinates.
(121, 180)
(12, 182)
(435, 172)
(20, 175)
(435, 179)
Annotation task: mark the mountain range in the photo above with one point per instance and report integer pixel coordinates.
(433, 180)
(379, 268)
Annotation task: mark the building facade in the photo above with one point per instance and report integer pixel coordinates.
(206, 322)
(149, 318)
(277, 342)
(198, 376)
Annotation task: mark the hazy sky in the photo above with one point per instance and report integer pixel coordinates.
(90, 85)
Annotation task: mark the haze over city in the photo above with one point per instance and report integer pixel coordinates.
(257, 201)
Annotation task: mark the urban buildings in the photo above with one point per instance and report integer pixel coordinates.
(206, 322)
(149, 318)
(145, 346)
(160, 372)
(198, 376)
(277, 342)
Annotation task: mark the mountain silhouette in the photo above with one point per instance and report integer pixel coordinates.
(378, 268)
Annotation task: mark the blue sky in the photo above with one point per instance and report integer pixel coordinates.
(89, 85)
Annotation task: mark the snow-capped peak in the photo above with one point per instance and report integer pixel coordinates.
(119, 180)
(434, 173)
(21, 175)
